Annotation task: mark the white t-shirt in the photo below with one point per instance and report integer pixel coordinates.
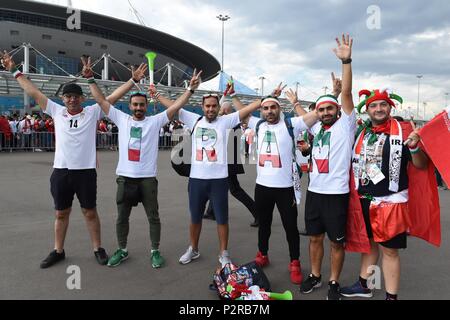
(75, 136)
(138, 143)
(209, 144)
(331, 156)
(274, 150)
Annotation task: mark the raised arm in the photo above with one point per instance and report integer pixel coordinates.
(95, 90)
(337, 85)
(419, 158)
(136, 76)
(158, 96)
(291, 95)
(24, 82)
(184, 98)
(344, 53)
(311, 118)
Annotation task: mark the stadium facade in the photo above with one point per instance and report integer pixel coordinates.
(55, 49)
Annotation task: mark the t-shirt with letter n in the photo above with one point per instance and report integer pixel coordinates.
(331, 155)
(138, 143)
(274, 150)
(209, 144)
(75, 136)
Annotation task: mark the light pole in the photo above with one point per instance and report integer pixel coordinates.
(262, 85)
(325, 89)
(223, 19)
(424, 105)
(418, 93)
(446, 98)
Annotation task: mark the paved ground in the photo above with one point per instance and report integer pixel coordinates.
(26, 237)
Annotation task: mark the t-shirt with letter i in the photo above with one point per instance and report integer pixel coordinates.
(138, 143)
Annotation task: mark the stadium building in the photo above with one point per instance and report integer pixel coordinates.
(48, 50)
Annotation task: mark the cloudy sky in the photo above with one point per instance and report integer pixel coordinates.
(291, 41)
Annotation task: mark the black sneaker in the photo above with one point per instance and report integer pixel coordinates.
(53, 258)
(101, 256)
(255, 223)
(311, 283)
(334, 291)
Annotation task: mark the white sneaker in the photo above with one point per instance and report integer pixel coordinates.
(189, 255)
(224, 258)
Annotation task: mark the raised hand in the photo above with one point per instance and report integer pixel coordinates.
(344, 49)
(337, 85)
(291, 95)
(229, 90)
(278, 90)
(87, 71)
(196, 80)
(414, 137)
(152, 90)
(139, 73)
(7, 62)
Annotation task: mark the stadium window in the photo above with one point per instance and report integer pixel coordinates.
(141, 55)
(104, 46)
(46, 37)
(61, 52)
(14, 47)
(14, 32)
(130, 52)
(88, 44)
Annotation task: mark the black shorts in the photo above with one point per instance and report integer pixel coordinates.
(397, 242)
(326, 213)
(64, 183)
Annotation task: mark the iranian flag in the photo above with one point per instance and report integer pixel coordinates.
(435, 137)
(321, 153)
(134, 145)
(269, 151)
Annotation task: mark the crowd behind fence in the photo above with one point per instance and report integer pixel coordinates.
(45, 141)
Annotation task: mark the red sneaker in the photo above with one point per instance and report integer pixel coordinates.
(261, 260)
(296, 272)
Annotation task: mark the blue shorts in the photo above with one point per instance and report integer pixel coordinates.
(216, 190)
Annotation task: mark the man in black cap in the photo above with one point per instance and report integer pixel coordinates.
(75, 156)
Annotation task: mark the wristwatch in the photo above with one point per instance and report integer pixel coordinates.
(347, 61)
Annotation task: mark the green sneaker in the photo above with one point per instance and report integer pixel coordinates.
(157, 259)
(117, 258)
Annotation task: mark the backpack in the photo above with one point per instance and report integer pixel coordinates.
(183, 169)
(249, 274)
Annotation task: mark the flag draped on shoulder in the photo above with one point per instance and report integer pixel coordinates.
(423, 207)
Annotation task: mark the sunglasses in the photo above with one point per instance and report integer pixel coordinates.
(138, 93)
(210, 95)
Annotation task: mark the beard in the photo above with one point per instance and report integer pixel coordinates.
(139, 114)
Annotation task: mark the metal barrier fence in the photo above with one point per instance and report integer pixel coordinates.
(45, 141)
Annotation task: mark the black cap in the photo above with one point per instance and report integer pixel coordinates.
(72, 88)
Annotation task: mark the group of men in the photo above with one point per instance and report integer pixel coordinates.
(369, 165)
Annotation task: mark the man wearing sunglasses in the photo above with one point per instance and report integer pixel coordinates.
(208, 178)
(234, 168)
(75, 157)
